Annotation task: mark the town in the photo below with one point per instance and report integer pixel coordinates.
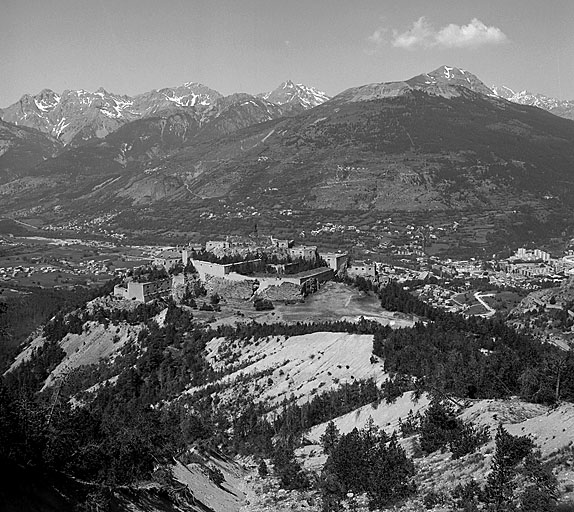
(274, 262)
(263, 270)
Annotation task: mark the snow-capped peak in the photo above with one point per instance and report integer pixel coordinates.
(502, 91)
(46, 100)
(295, 94)
(447, 81)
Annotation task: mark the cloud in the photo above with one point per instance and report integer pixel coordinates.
(378, 36)
(423, 35)
(476, 33)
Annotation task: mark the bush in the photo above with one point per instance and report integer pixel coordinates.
(434, 498)
(263, 304)
(215, 475)
(467, 439)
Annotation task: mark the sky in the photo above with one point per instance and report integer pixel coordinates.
(133, 46)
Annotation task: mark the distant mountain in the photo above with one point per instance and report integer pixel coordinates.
(297, 96)
(562, 108)
(436, 141)
(75, 117)
(448, 82)
(141, 143)
(448, 76)
(190, 94)
(240, 110)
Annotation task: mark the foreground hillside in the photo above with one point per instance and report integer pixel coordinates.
(128, 406)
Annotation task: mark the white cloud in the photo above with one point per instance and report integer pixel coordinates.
(423, 35)
(378, 36)
(476, 33)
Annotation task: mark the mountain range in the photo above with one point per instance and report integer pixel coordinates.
(437, 142)
(76, 117)
(562, 108)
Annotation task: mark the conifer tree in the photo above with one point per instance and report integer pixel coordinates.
(330, 438)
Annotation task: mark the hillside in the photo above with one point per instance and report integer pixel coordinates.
(169, 411)
(22, 148)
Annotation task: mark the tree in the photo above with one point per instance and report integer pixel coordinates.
(262, 469)
(369, 461)
(287, 467)
(437, 426)
(540, 492)
(467, 439)
(510, 450)
(330, 438)
(331, 492)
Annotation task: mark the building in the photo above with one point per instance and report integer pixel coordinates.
(306, 252)
(368, 270)
(167, 259)
(217, 245)
(536, 254)
(319, 275)
(530, 269)
(281, 244)
(144, 292)
(220, 270)
(337, 261)
(309, 280)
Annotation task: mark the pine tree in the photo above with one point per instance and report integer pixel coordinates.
(288, 468)
(510, 450)
(437, 426)
(262, 469)
(540, 493)
(330, 438)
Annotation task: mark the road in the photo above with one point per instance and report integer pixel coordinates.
(479, 297)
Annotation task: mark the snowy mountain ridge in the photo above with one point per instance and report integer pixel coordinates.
(295, 94)
(75, 117)
(562, 108)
